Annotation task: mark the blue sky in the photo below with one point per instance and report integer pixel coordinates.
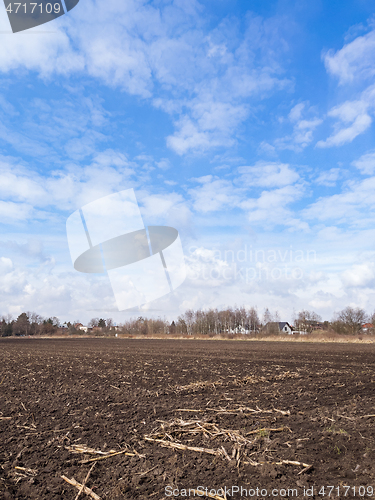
(247, 126)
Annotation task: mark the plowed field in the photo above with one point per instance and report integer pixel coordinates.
(155, 418)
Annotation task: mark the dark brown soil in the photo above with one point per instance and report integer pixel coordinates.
(258, 406)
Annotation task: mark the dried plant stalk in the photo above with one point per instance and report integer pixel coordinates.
(179, 446)
(85, 481)
(32, 472)
(293, 462)
(269, 429)
(82, 448)
(123, 452)
(78, 485)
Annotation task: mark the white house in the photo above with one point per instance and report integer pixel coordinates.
(79, 326)
(285, 327)
(281, 327)
(239, 329)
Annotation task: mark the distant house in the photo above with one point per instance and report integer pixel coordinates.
(316, 325)
(278, 327)
(239, 329)
(285, 327)
(307, 327)
(79, 326)
(367, 326)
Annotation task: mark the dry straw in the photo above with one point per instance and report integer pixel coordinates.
(167, 434)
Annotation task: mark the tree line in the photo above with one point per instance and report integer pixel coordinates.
(209, 322)
(28, 323)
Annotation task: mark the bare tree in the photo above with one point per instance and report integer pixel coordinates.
(189, 320)
(181, 326)
(350, 320)
(271, 322)
(93, 322)
(371, 320)
(306, 321)
(267, 316)
(49, 326)
(35, 321)
(253, 320)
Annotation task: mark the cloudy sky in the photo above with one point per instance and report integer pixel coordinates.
(246, 125)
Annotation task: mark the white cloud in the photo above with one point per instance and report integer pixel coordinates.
(211, 79)
(6, 265)
(330, 234)
(354, 62)
(210, 124)
(206, 269)
(303, 131)
(164, 164)
(7, 107)
(354, 206)
(359, 275)
(23, 191)
(356, 113)
(214, 194)
(328, 177)
(214, 116)
(51, 129)
(85, 145)
(233, 276)
(160, 206)
(271, 208)
(268, 149)
(45, 53)
(11, 212)
(321, 304)
(361, 123)
(303, 128)
(267, 174)
(19, 185)
(295, 113)
(366, 163)
(67, 295)
(153, 48)
(31, 249)
(190, 137)
(217, 115)
(23, 143)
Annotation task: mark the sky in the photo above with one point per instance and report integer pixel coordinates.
(246, 125)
